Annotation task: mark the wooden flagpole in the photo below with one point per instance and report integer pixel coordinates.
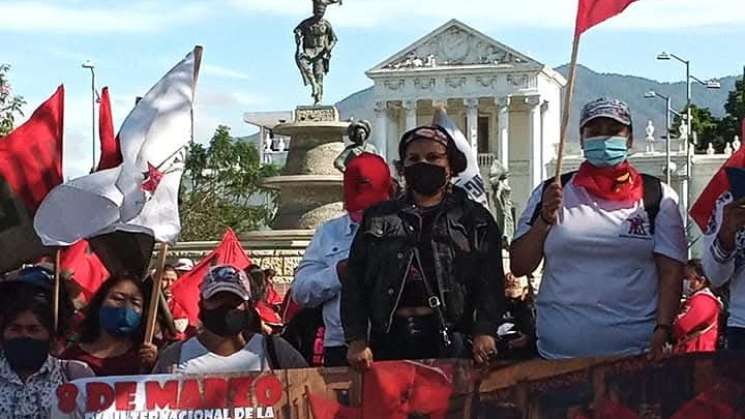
(152, 310)
(56, 290)
(567, 107)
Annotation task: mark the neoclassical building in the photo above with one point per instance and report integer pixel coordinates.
(506, 103)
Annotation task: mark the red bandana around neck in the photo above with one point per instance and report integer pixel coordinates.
(618, 183)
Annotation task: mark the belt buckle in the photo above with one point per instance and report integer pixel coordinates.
(433, 302)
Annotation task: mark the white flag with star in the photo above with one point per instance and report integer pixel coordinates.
(141, 194)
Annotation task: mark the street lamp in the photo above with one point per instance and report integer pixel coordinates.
(89, 65)
(652, 94)
(664, 56)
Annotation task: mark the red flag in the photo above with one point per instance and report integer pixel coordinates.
(31, 155)
(85, 267)
(703, 209)
(323, 408)
(186, 290)
(111, 153)
(30, 166)
(593, 12)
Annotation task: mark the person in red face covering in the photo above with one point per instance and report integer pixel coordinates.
(319, 276)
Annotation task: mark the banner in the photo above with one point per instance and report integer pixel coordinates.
(694, 386)
(170, 396)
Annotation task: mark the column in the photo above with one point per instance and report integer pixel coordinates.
(409, 108)
(381, 127)
(504, 130)
(534, 136)
(472, 123)
(544, 154)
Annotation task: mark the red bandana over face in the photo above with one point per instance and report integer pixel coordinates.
(619, 183)
(367, 181)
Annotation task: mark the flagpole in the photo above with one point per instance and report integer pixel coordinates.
(55, 295)
(567, 107)
(152, 311)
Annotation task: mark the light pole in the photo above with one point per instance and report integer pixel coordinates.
(664, 56)
(668, 127)
(89, 65)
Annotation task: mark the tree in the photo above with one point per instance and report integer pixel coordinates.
(221, 184)
(10, 105)
(735, 107)
(705, 125)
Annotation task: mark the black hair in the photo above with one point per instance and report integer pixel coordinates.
(696, 266)
(456, 158)
(169, 267)
(17, 289)
(257, 280)
(28, 299)
(91, 325)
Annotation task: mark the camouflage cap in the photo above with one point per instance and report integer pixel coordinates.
(606, 108)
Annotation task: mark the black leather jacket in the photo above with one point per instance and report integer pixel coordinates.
(467, 258)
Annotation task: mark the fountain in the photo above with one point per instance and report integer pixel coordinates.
(310, 186)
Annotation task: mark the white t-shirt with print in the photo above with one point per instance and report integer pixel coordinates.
(599, 291)
(197, 359)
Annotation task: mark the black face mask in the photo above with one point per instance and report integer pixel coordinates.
(424, 178)
(26, 354)
(225, 321)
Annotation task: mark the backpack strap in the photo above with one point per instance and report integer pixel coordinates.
(271, 352)
(652, 199)
(565, 178)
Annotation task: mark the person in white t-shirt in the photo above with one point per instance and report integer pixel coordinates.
(229, 341)
(612, 272)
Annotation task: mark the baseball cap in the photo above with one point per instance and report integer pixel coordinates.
(606, 107)
(226, 278)
(184, 264)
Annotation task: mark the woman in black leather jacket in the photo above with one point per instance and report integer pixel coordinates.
(424, 273)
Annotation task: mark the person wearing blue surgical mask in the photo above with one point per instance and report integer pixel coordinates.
(612, 244)
(113, 329)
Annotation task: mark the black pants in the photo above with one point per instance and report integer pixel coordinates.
(409, 338)
(335, 356)
(736, 338)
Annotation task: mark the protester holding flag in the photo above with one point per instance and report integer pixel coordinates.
(613, 246)
(113, 329)
(723, 260)
(425, 270)
(29, 375)
(318, 279)
(230, 340)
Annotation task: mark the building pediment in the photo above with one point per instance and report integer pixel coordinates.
(454, 45)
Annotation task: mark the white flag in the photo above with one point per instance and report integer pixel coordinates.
(470, 179)
(141, 194)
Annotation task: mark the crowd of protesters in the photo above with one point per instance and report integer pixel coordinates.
(414, 272)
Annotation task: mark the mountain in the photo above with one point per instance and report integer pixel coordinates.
(592, 85)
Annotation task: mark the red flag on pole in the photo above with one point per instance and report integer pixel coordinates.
(30, 166)
(186, 290)
(85, 268)
(592, 12)
(111, 153)
(702, 211)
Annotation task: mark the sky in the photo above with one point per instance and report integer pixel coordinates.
(248, 63)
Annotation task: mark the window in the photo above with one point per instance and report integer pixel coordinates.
(483, 134)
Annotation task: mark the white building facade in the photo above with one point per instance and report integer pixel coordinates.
(507, 104)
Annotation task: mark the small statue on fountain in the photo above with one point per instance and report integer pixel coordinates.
(315, 38)
(358, 133)
(500, 201)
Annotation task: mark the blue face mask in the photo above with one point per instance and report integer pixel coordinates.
(119, 321)
(606, 151)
